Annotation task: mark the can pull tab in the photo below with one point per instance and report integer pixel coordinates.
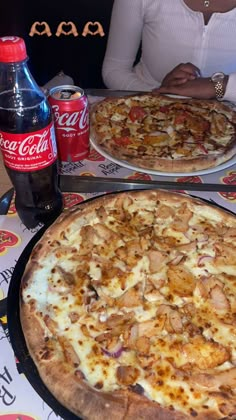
(66, 94)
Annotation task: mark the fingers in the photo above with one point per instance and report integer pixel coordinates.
(190, 69)
(164, 89)
(201, 88)
(181, 74)
(177, 82)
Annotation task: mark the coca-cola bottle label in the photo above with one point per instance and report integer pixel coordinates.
(28, 152)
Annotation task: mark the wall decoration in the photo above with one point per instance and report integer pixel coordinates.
(40, 28)
(66, 28)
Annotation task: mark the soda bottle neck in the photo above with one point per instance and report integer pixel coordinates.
(16, 76)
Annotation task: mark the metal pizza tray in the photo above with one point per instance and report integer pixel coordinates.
(26, 364)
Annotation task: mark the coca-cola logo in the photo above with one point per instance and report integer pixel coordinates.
(29, 152)
(29, 146)
(70, 121)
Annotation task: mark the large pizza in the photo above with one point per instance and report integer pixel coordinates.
(128, 308)
(163, 133)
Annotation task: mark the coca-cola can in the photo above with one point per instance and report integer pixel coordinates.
(71, 119)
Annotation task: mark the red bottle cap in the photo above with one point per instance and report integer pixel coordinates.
(12, 49)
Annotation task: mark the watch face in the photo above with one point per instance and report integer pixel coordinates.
(217, 76)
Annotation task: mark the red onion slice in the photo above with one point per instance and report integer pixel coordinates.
(204, 259)
(115, 352)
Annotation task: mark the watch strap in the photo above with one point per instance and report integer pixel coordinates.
(218, 80)
(219, 89)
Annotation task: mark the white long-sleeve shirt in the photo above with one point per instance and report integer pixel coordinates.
(171, 33)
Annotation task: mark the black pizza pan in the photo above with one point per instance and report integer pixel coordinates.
(17, 339)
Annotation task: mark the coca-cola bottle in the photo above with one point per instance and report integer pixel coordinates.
(27, 137)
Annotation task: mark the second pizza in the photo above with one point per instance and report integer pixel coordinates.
(164, 133)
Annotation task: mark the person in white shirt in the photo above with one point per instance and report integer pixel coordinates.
(188, 47)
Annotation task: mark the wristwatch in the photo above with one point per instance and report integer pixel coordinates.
(218, 82)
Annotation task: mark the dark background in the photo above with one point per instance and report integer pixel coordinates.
(79, 57)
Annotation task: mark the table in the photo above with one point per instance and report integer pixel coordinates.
(16, 394)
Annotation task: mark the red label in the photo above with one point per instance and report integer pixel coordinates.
(194, 179)
(229, 179)
(71, 199)
(95, 156)
(139, 175)
(72, 132)
(7, 240)
(29, 151)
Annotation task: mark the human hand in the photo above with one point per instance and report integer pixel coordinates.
(200, 88)
(181, 74)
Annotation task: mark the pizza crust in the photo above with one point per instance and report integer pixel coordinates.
(172, 166)
(64, 379)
